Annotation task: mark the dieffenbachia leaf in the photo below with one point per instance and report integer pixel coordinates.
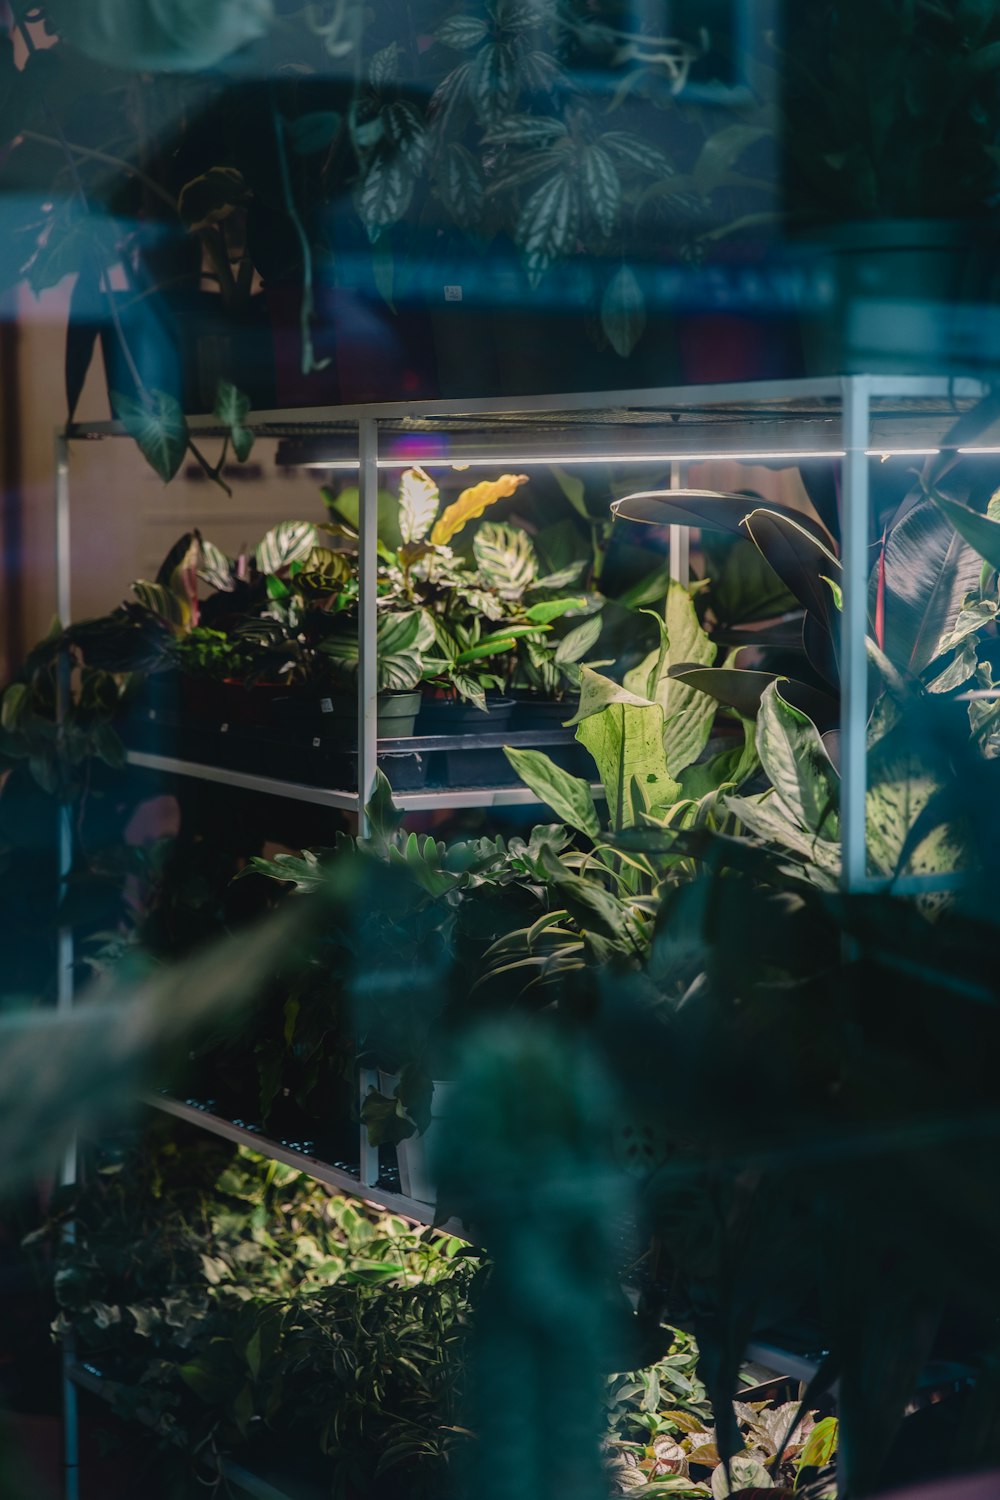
(569, 797)
(795, 759)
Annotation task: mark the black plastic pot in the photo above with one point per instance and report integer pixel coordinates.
(454, 716)
(533, 712)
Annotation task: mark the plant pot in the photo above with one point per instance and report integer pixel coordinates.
(903, 297)
(455, 716)
(335, 715)
(533, 712)
(415, 1180)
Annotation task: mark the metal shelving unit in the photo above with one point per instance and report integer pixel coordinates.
(854, 420)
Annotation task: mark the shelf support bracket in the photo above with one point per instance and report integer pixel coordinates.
(853, 633)
(367, 589)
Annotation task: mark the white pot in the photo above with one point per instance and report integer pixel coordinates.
(415, 1180)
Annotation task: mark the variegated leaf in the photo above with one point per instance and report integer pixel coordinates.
(548, 224)
(602, 188)
(289, 542)
(506, 559)
(385, 193)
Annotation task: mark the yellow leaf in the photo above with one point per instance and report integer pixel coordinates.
(471, 503)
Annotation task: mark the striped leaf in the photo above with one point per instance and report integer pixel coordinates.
(419, 498)
(636, 152)
(405, 127)
(548, 224)
(459, 185)
(506, 559)
(290, 541)
(462, 33)
(494, 82)
(525, 130)
(384, 66)
(385, 193)
(160, 429)
(602, 188)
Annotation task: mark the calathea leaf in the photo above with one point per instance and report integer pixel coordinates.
(602, 188)
(623, 311)
(548, 224)
(419, 497)
(505, 558)
(288, 542)
(163, 602)
(385, 192)
(569, 797)
(795, 759)
(160, 429)
(471, 503)
(233, 408)
(214, 567)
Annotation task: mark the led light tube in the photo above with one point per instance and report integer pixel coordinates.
(563, 459)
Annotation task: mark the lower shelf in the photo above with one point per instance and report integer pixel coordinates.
(340, 1178)
(88, 1378)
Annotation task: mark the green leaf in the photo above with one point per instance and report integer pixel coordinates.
(384, 66)
(253, 1353)
(385, 192)
(494, 81)
(506, 559)
(637, 152)
(384, 817)
(404, 126)
(601, 185)
(232, 408)
(462, 33)
(459, 184)
(548, 224)
(981, 532)
(214, 567)
(16, 707)
(162, 602)
(419, 498)
(929, 569)
(577, 642)
(795, 759)
(525, 130)
(623, 311)
(548, 610)
(573, 488)
(741, 689)
(150, 36)
(288, 542)
(311, 133)
(626, 741)
(160, 430)
(687, 712)
(569, 797)
(820, 1446)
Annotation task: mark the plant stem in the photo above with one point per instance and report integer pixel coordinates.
(306, 306)
(89, 153)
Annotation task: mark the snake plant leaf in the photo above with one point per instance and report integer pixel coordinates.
(506, 559)
(160, 429)
(929, 569)
(981, 532)
(471, 503)
(795, 759)
(419, 498)
(288, 542)
(569, 797)
(160, 36)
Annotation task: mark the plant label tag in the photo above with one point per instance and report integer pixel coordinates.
(453, 294)
(326, 705)
(316, 742)
(223, 728)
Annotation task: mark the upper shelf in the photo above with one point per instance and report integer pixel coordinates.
(682, 421)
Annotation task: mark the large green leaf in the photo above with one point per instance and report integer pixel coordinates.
(741, 689)
(569, 797)
(801, 560)
(981, 532)
(626, 740)
(687, 712)
(160, 429)
(795, 759)
(160, 36)
(929, 569)
(506, 558)
(709, 510)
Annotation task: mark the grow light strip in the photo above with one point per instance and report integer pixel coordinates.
(522, 461)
